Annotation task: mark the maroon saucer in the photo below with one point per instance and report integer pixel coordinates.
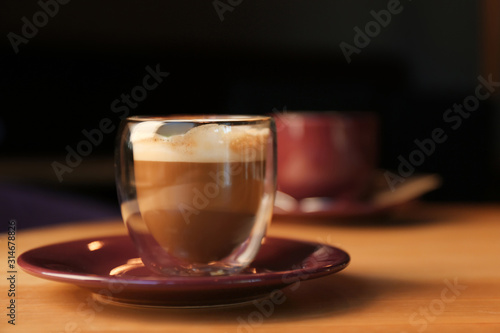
(381, 199)
(338, 209)
(109, 267)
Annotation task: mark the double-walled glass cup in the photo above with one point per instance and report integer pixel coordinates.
(196, 192)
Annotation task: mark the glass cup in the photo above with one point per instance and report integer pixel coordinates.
(196, 192)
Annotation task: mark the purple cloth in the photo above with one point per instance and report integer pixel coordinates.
(35, 207)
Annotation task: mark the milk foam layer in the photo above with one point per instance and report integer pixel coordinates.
(204, 143)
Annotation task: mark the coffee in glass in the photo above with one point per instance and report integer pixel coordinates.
(197, 192)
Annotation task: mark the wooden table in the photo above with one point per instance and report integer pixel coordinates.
(428, 268)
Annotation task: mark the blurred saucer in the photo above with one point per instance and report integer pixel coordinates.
(381, 199)
(110, 268)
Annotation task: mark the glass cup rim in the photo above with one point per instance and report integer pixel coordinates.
(201, 119)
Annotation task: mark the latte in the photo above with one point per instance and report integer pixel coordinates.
(199, 193)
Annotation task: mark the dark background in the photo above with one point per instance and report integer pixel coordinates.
(264, 56)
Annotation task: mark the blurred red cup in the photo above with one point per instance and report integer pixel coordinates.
(327, 154)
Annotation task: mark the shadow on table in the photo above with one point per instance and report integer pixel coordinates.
(325, 297)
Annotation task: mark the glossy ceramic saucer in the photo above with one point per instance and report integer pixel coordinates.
(110, 268)
(381, 199)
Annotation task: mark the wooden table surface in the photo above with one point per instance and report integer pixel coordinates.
(427, 268)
